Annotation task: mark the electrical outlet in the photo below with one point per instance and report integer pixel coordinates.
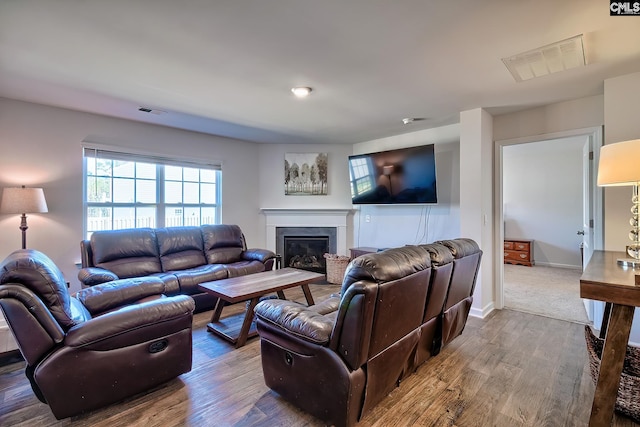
(367, 218)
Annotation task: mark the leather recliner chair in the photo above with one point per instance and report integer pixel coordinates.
(466, 264)
(98, 346)
(397, 308)
(339, 365)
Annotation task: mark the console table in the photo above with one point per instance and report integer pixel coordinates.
(605, 280)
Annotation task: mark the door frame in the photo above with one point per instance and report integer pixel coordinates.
(595, 135)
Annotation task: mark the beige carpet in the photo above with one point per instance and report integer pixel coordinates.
(547, 291)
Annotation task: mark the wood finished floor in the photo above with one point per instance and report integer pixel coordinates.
(511, 369)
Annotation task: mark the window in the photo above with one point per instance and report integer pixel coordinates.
(133, 191)
(361, 174)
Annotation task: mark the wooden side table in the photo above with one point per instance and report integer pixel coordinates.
(605, 280)
(356, 252)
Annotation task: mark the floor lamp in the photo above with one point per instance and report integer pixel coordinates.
(21, 200)
(388, 171)
(620, 166)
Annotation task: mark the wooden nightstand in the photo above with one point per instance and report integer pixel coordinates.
(518, 251)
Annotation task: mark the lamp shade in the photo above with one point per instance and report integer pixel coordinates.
(619, 164)
(19, 200)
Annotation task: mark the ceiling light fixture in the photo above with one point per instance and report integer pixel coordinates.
(301, 91)
(552, 58)
(409, 120)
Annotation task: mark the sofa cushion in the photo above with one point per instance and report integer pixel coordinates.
(171, 284)
(190, 279)
(242, 268)
(180, 248)
(127, 253)
(222, 243)
(461, 247)
(297, 320)
(395, 264)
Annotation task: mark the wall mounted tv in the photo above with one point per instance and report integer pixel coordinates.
(403, 176)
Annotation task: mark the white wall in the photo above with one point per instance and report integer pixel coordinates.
(271, 177)
(542, 198)
(391, 226)
(41, 146)
(477, 200)
(621, 107)
(562, 116)
(622, 123)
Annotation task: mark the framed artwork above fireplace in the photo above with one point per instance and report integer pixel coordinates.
(305, 174)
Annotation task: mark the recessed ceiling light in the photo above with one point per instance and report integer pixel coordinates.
(301, 91)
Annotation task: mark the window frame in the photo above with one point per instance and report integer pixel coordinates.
(161, 205)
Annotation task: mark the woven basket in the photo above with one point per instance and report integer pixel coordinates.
(628, 401)
(336, 265)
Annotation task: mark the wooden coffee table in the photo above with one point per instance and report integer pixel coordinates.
(237, 328)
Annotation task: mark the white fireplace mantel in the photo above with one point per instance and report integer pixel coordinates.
(307, 218)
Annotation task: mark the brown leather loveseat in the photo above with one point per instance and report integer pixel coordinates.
(181, 257)
(98, 346)
(396, 309)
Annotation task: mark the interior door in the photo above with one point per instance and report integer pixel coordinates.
(591, 217)
(588, 175)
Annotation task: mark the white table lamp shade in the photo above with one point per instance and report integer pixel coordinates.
(619, 164)
(19, 200)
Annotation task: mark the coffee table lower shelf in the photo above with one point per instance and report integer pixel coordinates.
(230, 327)
(239, 327)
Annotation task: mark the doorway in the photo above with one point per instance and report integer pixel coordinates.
(550, 254)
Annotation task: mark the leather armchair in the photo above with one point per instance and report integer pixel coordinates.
(99, 346)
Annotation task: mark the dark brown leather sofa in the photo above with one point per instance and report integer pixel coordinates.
(396, 309)
(181, 257)
(103, 344)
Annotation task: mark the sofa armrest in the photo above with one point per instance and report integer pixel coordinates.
(296, 319)
(262, 255)
(106, 296)
(330, 305)
(129, 319)
(91, 276)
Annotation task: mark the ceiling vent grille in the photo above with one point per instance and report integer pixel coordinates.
(151, 111)
(552, 58)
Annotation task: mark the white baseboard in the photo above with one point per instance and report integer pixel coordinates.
(482, 313)
(556, 265)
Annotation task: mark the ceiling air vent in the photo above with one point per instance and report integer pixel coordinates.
(151, 111)
(548, 59)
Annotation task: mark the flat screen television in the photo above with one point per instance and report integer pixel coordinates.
(402, 176)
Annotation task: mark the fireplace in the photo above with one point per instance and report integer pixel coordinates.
(304, 247)
(306, 253)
